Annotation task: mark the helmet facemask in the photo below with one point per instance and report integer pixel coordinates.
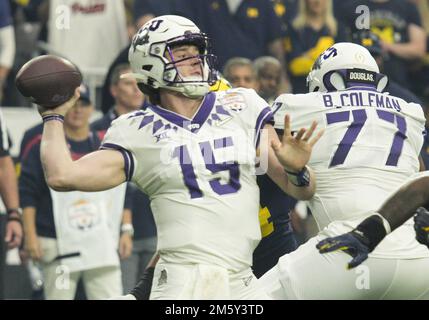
(191, 86)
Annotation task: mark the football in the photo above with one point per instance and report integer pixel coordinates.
(48, 80)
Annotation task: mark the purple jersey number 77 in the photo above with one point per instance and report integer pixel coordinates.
(359, 118)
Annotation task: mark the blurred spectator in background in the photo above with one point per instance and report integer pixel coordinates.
(372, 42)
(269, 77)
(29, 18)
(238, 28)
(129, 98)
(398, 24)
(240, 72)
(7, 44)
(312, 31)
(90, 33)
(107, 100)
(126, 94)
(144, 10)
(10, 224)
(129, 17)
(420, 69)
(70, 233)
(286, 10)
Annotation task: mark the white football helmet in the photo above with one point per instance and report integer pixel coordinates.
(155, 40)
(345, 65)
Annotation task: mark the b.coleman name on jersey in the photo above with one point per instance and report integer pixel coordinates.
(363, 76)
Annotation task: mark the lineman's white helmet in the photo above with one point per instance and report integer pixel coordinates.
(345, 65)
(154, 40)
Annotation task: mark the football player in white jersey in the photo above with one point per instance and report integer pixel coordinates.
(370, 148)
(193, 152)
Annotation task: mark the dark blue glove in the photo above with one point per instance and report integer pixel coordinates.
(421, 225)
(354, 243)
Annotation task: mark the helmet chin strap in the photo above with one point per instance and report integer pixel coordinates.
(193, 91)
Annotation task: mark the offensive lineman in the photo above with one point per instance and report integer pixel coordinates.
(192, 153)
(370, 147)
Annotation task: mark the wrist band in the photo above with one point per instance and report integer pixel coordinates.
(14, 210)
(127, 228)
(373, 229)
(50, 117)
(386, 223)
(14, 219)
(299, 179)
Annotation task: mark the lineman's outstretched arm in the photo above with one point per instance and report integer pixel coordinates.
(395, 211)
(404, 203)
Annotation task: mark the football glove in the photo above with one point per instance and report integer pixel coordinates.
(421, 225)
(359, 242)
(354, 243)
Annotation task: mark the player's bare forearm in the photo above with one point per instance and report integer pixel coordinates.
(56, 159)
(404, 203)
(8, 183)
(97, 171)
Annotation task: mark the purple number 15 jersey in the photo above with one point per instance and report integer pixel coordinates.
(199, 174)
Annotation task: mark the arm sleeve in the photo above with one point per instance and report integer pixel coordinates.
(114, 140)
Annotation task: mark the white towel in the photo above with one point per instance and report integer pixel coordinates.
(207, 283)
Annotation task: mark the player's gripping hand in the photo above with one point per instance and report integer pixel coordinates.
(294, 152)
(354, 243)
(421, 225)
(360, 241)
(61, 109)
